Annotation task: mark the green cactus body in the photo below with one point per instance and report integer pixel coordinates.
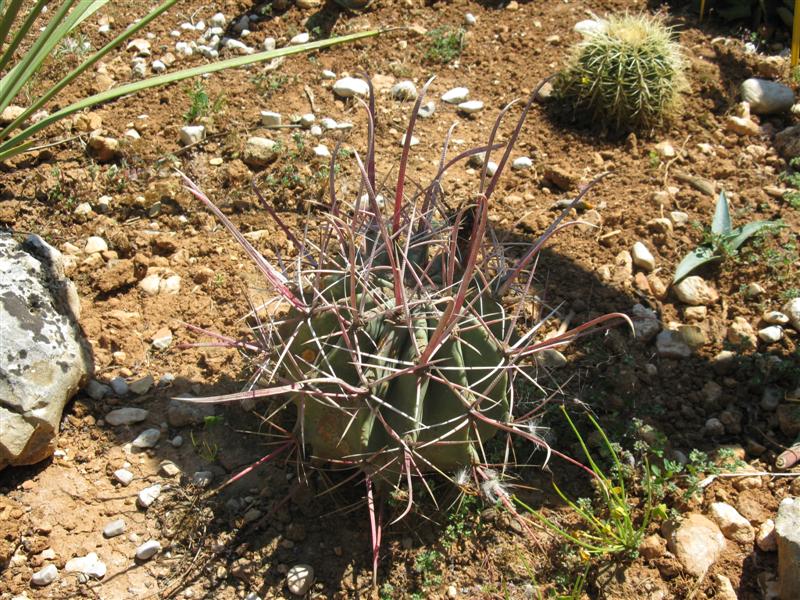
(428, 409)
(627, 77)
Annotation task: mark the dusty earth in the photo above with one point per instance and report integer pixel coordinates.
(242, 540)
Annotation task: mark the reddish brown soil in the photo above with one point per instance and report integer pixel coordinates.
(64, 504)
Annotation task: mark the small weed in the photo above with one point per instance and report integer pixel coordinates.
(458, 524)
(610, 530)
(445, 44)
(654, 159)
(387, 591)
(78, 46)
(200, 104)
(268, 83)
(426, 564)
(116, 179)
(204, 444)
(792, 177)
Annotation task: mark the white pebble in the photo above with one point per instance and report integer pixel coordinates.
(315, 130)
(45, 576)
(456, 95)
(771, 334)
(94, 245)
(522, 163)
(218, 20)
(328, 74)
(148, 550)
(775, 317)
(269, 44)
(307, 120)
(470, 107)
(642, 257)
(270, 119)
(328, 123)
(123, 476)
(114, 528)
(127, 415)
(158, 66)
(322, 151)
(299, 579)
(404, 90)
(148, 495)
(414, 140)
(470, 19)
(300, 38)
(191, 134)
(347, 87)
(491, 168)
(426, 110)
(90, 565)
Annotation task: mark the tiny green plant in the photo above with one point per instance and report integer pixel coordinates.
(445, 44)
(612, 530)
(25, 47)
(792, 178)
(723, 240)
(205, 443)
(200, 104)
(627, 76)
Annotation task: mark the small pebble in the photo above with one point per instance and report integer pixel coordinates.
(522, 163)
(470, 107)
(470, 19)
(148, 495)
(123, 476)
(147, 439)
(642, 257)
(270, 119)
(771, 334)
(299, 579)
(456, 95)
(114, 528)
(404, 90)
(95, 245)
(148, 550)
(300, 38)
(44, 576)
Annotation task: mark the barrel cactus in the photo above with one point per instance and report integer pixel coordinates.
(392, 335)
(626, 75)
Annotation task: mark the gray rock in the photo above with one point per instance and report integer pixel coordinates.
(96, 390)
(148, 550)
(44, 576)
(299, 579)
(645, 323)
(45, 358)
(119, 386)
(114, 528)
(142, 385)
(90, 565)
(203, 479)
(670, 344)
(126, 416)
(787, 535)
(147, 439)
(697, 542)
(182, 414)
(767, 97)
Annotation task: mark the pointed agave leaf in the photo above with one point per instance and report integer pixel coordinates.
(697, 257)
(740, 235)
(721, 224)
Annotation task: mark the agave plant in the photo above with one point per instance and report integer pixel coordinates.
(393, 334)
(26, 50)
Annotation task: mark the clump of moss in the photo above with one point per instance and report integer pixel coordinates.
(627, 76)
